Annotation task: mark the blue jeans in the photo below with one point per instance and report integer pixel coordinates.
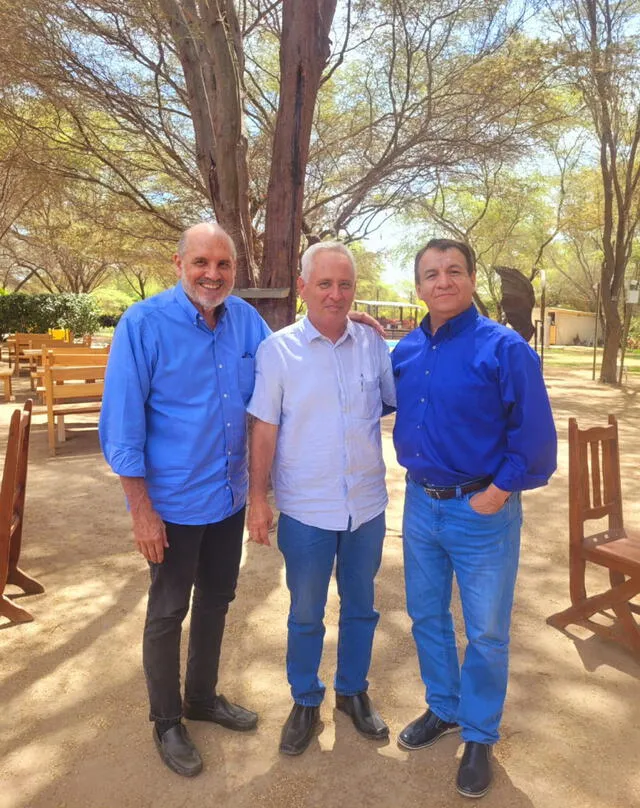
(309, 553)
(446, 536)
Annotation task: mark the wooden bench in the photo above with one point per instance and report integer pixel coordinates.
(12, 496)
(5, 375)
(594, 493)
(21, 342)
(72, 355)
(71, 391)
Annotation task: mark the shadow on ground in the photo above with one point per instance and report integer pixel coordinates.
(73, 728)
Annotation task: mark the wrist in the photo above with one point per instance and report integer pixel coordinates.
(498, 495)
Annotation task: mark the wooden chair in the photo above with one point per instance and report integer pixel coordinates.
(12, 495)
(594, 493)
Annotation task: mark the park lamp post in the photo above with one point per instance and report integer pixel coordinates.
(596, 288)
(543, 306)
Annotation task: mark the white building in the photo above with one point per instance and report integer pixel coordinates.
(568, 327)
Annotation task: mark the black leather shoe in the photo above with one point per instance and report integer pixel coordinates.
(222, 712)
(178, 751)
(366, 719)
(299, 729)
(425, 731)
(474, 774)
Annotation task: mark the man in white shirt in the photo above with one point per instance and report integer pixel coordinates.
(318, 397)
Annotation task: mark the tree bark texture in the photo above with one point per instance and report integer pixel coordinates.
(209, 45)
(304, 51)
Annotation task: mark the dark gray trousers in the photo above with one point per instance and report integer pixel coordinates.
(205, 559)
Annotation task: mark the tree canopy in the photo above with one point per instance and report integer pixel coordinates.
(511, 125)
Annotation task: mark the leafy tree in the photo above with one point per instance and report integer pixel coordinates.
(600, 56)
(167, 106)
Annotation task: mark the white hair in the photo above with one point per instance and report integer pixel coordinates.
(215, 229)
(306, 262)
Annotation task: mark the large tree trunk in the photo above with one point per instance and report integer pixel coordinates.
(304, 51)
(209, 44)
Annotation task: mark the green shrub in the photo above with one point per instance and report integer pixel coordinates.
(36, 314)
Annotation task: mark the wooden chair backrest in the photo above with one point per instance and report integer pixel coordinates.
(14, 483)
(594, 477)
(68, 383)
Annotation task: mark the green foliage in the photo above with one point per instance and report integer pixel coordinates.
(111, 301)
(38, 313)
(633, 338)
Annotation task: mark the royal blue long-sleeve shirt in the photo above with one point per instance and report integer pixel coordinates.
(173, 410)
(472, 403)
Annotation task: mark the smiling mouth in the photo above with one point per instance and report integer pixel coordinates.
(211, 285)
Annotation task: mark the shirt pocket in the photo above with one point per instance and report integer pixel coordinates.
(246, 377)
(366, 401)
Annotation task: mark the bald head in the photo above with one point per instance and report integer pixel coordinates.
(204, 229)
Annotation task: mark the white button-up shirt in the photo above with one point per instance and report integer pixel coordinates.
(326, 399)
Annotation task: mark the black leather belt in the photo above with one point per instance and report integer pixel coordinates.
(451, 491)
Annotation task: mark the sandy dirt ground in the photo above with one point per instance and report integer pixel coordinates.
(73, 720)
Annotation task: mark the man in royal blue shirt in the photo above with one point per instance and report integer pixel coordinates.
(473, 429)
(173, 427)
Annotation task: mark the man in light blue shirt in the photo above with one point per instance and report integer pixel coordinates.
(173, 427)
(318, 398)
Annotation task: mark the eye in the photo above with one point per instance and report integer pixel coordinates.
(324, 284)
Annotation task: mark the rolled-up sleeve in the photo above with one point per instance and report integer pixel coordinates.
(127, 383)
(266, 401)
(531, 455)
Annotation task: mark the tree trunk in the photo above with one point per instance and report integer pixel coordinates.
(612, 338)
(304, 51)
(209, 45)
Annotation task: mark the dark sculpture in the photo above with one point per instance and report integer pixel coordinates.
(518, 300)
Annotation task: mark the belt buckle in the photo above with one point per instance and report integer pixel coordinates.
(433, 492)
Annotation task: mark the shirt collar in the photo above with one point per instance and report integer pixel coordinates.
(311, 332)
(453, 326)
(189, 309)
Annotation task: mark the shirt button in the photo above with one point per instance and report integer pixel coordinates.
(419, 427)
(219, 366)
(427, 372)
(224, 395)
(228, 453)
(417, 454)
(228, 423)
(433, 347)
(422, 401)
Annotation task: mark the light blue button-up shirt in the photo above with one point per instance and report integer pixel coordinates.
(327, 400)
(174, 403)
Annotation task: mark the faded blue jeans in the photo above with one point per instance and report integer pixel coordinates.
(443, 537)
(309, 553)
